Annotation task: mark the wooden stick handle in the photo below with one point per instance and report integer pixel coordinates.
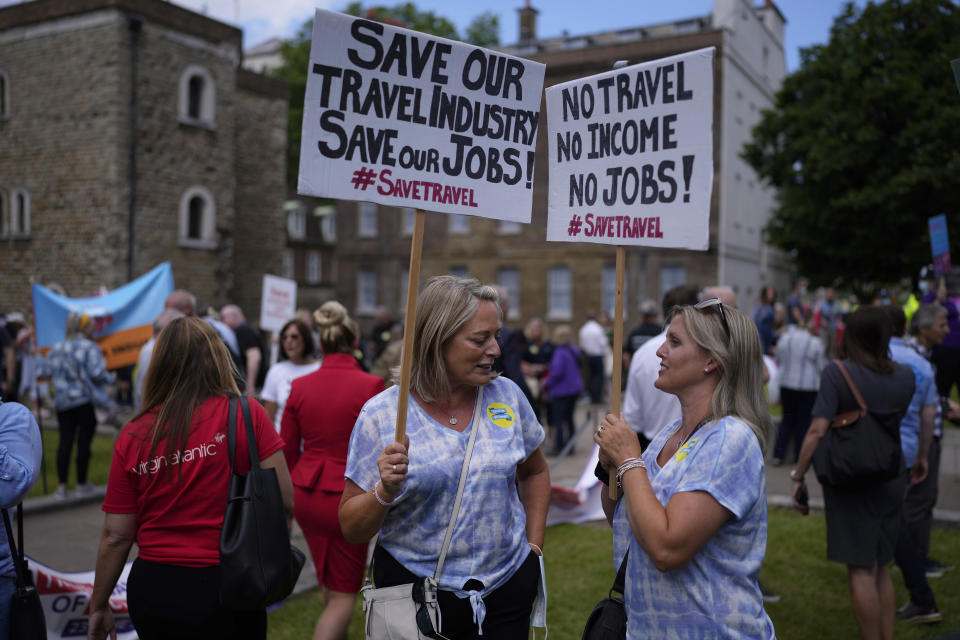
(617, 345)
(406, 357)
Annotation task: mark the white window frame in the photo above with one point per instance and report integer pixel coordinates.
(509, 228)
(672, 275)
(208, 236)
(610, 290)
(4, 95)
(328, 225)
(559, 293)
(458, 225)
(289, 264)
(509, 279)
(19, 213)
(408, 217)
(367, 220)
(207, 118)
(314, 267)
(297, 224)
(366, 290)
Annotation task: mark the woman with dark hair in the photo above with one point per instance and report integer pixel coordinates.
(406, 491)
(692, 509)
(168, 491)
(862, 524)
(296, 360)
(321, 411)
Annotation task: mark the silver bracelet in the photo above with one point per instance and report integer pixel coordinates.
(626, 465)
(379, 499)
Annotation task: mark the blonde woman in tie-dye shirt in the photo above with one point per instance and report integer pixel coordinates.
(692, 508)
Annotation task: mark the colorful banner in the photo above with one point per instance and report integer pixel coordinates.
(407, 119)
(66, 601)
(631, 154)
(940, 244)
(123, 317)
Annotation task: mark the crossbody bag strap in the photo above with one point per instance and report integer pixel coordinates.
(17, 555)
(474, 429)
(232, 430)
(620, 582)
(853, 387)
(251, 437)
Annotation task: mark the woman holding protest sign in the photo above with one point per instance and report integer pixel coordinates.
(406, 491)
(691, 517)
(168, 491)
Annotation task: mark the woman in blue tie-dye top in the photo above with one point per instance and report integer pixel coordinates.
(692, 509)
(406, 491)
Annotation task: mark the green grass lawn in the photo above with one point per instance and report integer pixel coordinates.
(815, 602)
(99, 462)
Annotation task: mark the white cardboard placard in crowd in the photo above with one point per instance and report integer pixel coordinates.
(406, 119)
(278, 302)
(631, 154)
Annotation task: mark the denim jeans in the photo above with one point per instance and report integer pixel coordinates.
(8, 585)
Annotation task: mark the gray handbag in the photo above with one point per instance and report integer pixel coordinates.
(410, 611)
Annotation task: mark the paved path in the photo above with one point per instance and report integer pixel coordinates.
(65, 534)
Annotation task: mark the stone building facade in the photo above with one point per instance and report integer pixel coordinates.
(130, 136)
(562, 282)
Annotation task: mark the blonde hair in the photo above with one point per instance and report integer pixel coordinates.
(562, 334)
(338, 331)
(77, 322)
(189, 364)
(739, 391)
(443, 306)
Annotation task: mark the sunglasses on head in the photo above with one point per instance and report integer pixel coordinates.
(718, 305)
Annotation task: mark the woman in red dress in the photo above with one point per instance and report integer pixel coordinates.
(320, 413)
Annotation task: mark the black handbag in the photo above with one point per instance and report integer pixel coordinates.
(858, 450)
(608, 620)
(26, 612)
(258, 565)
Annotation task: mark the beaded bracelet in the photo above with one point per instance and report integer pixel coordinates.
(626, 465)
(379, 499)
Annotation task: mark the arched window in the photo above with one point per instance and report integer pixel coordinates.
(197, 219)
(4, 95)
(15, 213)
(197, 93)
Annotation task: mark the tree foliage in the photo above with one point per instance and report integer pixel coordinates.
(482, 30)
(863, 144)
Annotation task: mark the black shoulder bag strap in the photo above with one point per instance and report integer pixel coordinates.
(619, 583)
(16, 551)
(232, 432)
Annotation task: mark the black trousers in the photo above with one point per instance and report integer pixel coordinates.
(912, 565)
(563, 408)
(595, 378)
(508, 607)
(797, 406)
(168, 601)
(80, 423)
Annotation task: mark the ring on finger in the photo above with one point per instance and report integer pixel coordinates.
(600, 428)
(394, 468)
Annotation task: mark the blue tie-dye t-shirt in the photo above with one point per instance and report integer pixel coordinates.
(715, 595)
(489, 539)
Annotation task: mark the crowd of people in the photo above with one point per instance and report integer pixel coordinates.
(687, 455)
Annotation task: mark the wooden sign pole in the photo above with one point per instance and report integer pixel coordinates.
(617, 345)
(406, 358)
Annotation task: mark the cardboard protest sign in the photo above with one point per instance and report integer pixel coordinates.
(278, 302)
(631, 154)
(406, 119)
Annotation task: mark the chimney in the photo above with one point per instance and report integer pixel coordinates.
(528, 23)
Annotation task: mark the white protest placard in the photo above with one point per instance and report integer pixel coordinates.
(278, 302)
(407, 119)
(631, 154)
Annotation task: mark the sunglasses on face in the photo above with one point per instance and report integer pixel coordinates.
(718, 305)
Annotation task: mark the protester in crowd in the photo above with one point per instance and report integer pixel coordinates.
(19, 467)
(167, 492)
(512, 345)
(296, 360)
(593, 343)
(390, 357)
(646, 408)
(535, 362)
(563, 386)
(143, 360)
(405, 491)
(825, 321)
(916, 434)
(801, 358)
(946, 355)
(795, 306)
(649, 327)
(321, 411)
(763, 317)
(76, 366)
(306, 317)
(252, 348)
(380, 333)
(862, 522)
(929, 327)
(692, 511)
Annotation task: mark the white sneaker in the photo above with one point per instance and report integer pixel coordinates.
(85, 490)
(60, 493)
